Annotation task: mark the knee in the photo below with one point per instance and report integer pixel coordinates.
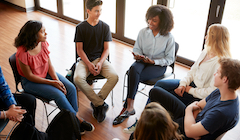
(32, 101)
(132, 69)
(152, 93)
(115, 78)
(59, 96)
(79, 80)
(160, 83)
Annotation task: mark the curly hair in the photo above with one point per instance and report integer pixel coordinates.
(165, 15)
(155, 123)
(28, 35)
(218, 40)
(231, 69)
(92, 3)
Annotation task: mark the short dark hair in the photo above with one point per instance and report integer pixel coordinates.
(92, 3)
(231, 69)
(165, 16)
(28, 35)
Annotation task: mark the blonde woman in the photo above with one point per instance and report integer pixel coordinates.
(199, 82)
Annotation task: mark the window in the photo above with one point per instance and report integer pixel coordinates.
(74, 9)
(109, 14)
(49, 5)
(135, 11)
(231, 19)
(190, 19)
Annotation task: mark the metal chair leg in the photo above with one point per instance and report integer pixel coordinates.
(46, 111)
(112, 98)
(124, 86)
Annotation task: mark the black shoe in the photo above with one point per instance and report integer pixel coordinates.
(90, 82)
(120, 118)
(87, 126)
(102, 112)
(95, 111)
(82, 131)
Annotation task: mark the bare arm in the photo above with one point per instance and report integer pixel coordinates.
(51, 70)
(58, 84)
(31, 77)
(84, 58)
(191, 128)
(36, 79)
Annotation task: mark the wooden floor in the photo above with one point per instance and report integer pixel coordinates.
(60, 37)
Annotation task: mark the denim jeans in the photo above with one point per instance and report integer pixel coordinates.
(138, 72)
(172, 104)
(171, 84)
(68, 102)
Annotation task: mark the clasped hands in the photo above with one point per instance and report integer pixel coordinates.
(95, 69)
(15, 113)
(181, 89)
(145, 59)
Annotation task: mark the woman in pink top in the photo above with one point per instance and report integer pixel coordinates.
(38, 75)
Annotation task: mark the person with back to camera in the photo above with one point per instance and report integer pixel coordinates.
(156, 123)
(153, 51)
(92, 39)
(15, 107)
(38, 75)
(212, 116)
(199, 82)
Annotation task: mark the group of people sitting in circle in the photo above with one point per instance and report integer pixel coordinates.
(202, 105)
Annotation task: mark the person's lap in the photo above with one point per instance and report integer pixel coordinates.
(50, 92)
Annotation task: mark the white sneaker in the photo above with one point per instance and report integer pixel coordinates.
(130, 129)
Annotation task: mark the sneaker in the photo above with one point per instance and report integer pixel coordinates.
(95, 111)
(102, 112)
(82, 131)
(130, 129)
(87, 126)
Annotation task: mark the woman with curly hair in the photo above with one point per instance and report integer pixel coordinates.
(155, 123)
(38, 76)
(153, 51)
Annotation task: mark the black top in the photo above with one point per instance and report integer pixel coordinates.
(93, 38)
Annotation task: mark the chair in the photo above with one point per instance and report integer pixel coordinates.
(17, 77)
(221, 136)
(3, 124)
(93, 78)
(152, 82)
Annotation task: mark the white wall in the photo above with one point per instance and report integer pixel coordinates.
(22, 3)
(29, 3)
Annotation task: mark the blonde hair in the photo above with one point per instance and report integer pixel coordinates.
(218, 40)
(155, 123)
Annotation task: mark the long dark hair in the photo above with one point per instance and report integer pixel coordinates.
(155, 123)
(28, 35)
(165, 15)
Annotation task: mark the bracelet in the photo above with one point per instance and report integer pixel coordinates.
(5, 116)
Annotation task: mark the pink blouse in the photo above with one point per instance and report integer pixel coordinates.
(37, 63)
